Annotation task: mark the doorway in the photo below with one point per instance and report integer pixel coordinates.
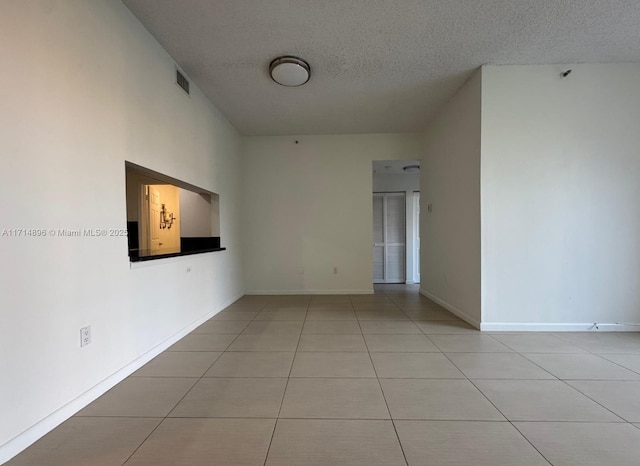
(396, 194)
(389, 235)
(160, 228)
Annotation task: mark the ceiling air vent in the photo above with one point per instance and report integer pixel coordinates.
(182, 81)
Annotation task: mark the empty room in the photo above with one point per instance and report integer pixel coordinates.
(320, 232)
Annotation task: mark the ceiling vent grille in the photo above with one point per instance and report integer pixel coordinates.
(182, 81)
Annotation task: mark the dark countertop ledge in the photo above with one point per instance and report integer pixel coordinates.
(148, 257)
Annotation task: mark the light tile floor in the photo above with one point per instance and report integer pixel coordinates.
(384, 379)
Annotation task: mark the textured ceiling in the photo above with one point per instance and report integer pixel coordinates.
(377, 65)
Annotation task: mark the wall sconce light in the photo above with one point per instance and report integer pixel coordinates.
(166, 218)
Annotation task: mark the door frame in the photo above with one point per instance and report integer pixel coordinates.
(384, 196)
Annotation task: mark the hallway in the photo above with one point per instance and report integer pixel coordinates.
(384, 379)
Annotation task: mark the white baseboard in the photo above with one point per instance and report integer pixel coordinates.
(304, 292)
(534, 327)
(46, 425)
(454, 310)
(557, 327)
(409, 282)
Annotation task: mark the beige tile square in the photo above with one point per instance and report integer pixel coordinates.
(330, 299)
(332, 365)
(233, 397)
(497, 366)
(235, 315)
(331, 327)
(459, 443)
(265, 342)
(140, 397)
(621, 397)
(542, 400)
(282, 314)
(178, 364)
(204, 342)
(628, 361)
(222, 326)
(237, 442)
(337, 305)
(332, 343)
(381, 315)
(584, 444)
(289, 299)
(537, 343)
(315, 442)
(283, 307)
(331, 315)
(252, 364)
(401, 343)
(407, 305)
(259, 327)
(604, 342)
(437, 399)
(431, 314)
(414, 366)
(387, 327)
(445, 327)
(370, 298)
(334, 399)
(376, 306)
(581, 366)
(468, 344)
(80, 441)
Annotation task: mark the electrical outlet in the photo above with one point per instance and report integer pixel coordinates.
(188, 269)
(85, 335)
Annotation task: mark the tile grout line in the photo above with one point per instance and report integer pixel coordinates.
(284, 392)
(163, 419)
(404, 455)
(592, 399)
(497, 409)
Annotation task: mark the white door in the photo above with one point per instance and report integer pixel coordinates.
(389, 237)
(154, 220)
(416, 238)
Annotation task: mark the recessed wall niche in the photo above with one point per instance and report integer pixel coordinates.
(167, 217)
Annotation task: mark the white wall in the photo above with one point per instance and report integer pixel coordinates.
(85, 88)
(560, 191)
(450, 180)
(410, 184)
(308, 209)
(195, 214)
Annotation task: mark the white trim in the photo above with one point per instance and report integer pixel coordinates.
(288, 292)
(53, 420)
(556, 327)
(416, 237)
(409, 282)
(463, 315)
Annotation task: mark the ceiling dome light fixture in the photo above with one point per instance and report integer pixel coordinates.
(290, 71)
(411, 168)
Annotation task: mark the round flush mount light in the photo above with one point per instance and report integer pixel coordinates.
(290, 71)
(411, 168)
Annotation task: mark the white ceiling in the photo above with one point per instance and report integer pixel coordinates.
(377, 65)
